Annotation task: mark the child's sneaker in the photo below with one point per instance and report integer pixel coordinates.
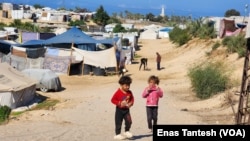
(128, 134)
(119, 137)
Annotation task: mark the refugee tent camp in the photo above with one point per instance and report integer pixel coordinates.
(60, 56)
(82, 42)
(16, 89)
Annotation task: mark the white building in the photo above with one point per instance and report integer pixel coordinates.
(162, 11)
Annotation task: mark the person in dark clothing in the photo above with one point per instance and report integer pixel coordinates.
(158, 61)
(122, 67)
(123, 99)
(144, 62)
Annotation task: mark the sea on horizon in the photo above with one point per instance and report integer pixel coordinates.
(156, 11)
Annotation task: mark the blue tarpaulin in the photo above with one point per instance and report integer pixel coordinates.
(73, 35)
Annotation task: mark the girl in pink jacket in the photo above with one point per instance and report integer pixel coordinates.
(152, 93)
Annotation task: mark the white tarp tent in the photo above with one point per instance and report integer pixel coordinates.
(103, 59)
(149, 34)
(16, 89)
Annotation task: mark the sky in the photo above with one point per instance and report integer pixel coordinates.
(194, 8)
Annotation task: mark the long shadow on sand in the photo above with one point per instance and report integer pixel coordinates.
(136, 137)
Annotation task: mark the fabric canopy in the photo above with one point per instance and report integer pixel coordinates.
(12, 79)
(16, 89)
(73, 35)
(103, 59)
(33, 42)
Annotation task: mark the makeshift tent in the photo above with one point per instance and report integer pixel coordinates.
(5, 46)
(164, 32)
(110, 41)
(59, 60)
(150, 32)
(27, 36)
(28, 52)
(16, 89)
(72, 36)
(33, 44)
(228, 28)
(104, 60)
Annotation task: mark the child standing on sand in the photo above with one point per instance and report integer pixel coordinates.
(123, 99)
(152, 93)
(122, 66)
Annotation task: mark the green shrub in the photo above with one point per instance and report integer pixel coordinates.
(119, 28)
(206, 31)
(215, 46)
(179, 36)
(208, 79)
(76, 23)
(4, 113)
(201, 29)
(47, 104)
(235, 44)
(241, 52)
(225, 41)
(194, 26)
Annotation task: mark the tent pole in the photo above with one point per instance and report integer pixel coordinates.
(82, 64)
(71, 50)
(115, 48)
(20, 37)
(7, 36)
(11, 52)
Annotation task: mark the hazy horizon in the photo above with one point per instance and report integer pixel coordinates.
(194, 8)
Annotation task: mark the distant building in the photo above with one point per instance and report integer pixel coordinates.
(162, 11)
(110, 27)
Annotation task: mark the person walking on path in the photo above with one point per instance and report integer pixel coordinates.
(122, 67)
(123, 99)
(152, 93)
(158, 61)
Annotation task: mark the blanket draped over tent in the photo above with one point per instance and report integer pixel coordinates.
(16, 89)
(58, 64)
(103, 59)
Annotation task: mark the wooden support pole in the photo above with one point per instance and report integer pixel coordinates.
(82, 65)
(70, 60)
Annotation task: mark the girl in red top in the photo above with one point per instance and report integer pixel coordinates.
(123, 99)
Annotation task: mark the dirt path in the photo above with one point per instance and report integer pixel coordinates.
(86, 113)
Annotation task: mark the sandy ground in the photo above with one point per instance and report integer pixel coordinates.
(85, 112)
